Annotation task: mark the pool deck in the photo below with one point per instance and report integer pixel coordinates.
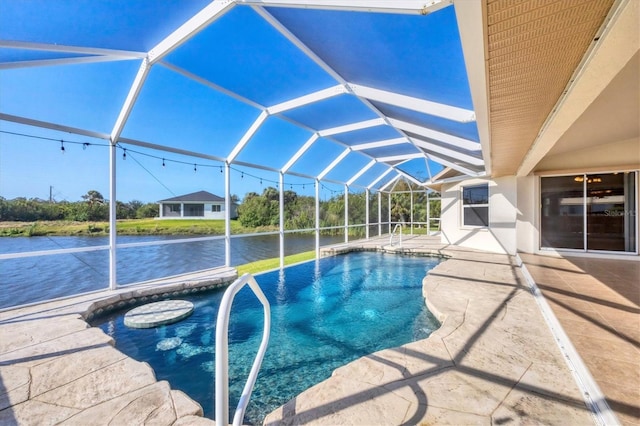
(493, 361)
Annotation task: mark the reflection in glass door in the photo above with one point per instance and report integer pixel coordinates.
(609, 201)
(562, 216)
(611, 212)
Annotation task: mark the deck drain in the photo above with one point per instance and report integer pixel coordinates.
(158, 313)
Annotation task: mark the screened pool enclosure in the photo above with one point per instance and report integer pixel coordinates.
(365, 102)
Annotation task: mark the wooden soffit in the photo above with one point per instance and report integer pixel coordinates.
(534, 47)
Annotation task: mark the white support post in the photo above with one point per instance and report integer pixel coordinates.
(389, 209)
(113, 281)
(411, 213)
(379, 213)
(281, 220)
(366, 213)
(317, 186)
(346, 213)
(227, 214)
(428, 214)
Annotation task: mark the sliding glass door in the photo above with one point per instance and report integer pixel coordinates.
(589, 212)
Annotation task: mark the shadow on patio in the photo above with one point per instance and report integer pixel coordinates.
(597, 302)
(492, 361)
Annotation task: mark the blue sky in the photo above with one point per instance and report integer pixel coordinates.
(239, 52)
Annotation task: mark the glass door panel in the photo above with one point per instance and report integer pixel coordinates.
(611, 219)
(562, 212)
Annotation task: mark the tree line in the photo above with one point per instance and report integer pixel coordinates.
(263, 210)
(255, 210)
(92, 208)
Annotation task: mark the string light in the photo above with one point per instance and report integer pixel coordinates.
(163, 159)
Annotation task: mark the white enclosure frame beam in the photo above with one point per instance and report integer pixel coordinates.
(334, 163)
(392, 181)
(134, 91)
(190, 28)
(300, 153)
(415, 104)
(403, 157)
(361, 172)
(132, 96)
(52, 126)
(455, 141)
(455, 166)
(353, 126)
(379, 144)
(60, 61)
(469, 159)
(412, 7)
(379, 178)
(79, 50)
(307, 99)
(247, 136)
(211, 85)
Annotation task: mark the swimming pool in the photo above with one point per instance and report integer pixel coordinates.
(324, 314)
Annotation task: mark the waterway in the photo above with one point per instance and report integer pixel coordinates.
(34, 279)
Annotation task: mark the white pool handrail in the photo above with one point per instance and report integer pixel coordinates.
(222, 351)
(394, 232)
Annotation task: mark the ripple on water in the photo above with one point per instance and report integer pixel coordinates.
(168, 344)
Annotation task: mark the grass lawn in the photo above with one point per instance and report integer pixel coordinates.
(269, 264)
(125, 227)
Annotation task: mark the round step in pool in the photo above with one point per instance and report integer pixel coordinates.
(158, 313)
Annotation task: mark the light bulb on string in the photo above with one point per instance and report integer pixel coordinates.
(62, 146)
(124, 154)
(220, 169)
(195, 168)
(163, 162)
(242, 175)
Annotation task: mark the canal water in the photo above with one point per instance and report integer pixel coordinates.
(39, 278)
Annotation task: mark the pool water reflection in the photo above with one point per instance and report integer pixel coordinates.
(324, 315)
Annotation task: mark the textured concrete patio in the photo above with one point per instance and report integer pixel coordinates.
(597, 302)
(493, 361)
(55, 369)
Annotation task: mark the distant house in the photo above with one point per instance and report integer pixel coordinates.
(197, 205)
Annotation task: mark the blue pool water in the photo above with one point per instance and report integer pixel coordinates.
(324, 314)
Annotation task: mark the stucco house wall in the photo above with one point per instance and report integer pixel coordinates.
(500, 235)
